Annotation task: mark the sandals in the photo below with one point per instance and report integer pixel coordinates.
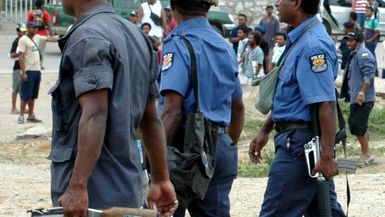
(20, 120)
(367, 162)
(33, 119)
(14, 112)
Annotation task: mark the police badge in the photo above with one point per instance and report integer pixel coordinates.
(318, 63)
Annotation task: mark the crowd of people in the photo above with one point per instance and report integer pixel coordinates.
(111, 93)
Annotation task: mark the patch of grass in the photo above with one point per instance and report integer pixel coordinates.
(250, 128)
(248, 169)
(376, 122)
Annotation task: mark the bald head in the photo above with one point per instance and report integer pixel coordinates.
(77, 8)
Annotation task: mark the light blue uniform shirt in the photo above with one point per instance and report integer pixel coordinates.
(218, 83)
(307, 75)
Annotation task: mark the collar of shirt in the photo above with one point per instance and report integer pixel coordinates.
(359, 47)
(100, 8)
(295, 33)
(193, 22)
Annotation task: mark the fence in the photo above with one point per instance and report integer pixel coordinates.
(16, 10)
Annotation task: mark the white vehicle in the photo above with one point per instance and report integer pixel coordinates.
(335, 13)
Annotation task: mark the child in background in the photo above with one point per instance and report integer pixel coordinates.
(280, 44)
(242, 35)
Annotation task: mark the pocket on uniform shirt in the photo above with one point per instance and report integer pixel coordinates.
(61, 155)
(57, 116)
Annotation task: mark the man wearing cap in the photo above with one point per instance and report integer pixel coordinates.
(134, 18)
(348, 27)
(106, 90)
(30, 66)
(16, 76)
(29, 61)
(361, 70)
(306, 82)
(219, 97)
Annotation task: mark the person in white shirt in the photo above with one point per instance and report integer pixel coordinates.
(279, 48)
(151, 12)
(242, 46)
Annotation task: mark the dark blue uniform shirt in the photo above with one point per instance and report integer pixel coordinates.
(103, 51)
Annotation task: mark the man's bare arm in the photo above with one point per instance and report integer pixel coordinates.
(237, 120)
(154, 139)
(14, 55)
(172, 114)
(91, 132)
(327, 120)
(24, 75)
(92, 128)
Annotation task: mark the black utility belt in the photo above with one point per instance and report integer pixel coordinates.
(287, 125)
(222, 130)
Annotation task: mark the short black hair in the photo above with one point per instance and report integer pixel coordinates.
(370, 8)
(257, 37)
(269, 6)
(282, 34)
(145, 24)
(310, 7)
(353, 15)
(242, 15)
(39, 3)
(191, 7)
(349, 25)
(243, 29)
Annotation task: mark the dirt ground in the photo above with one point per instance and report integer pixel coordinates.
(25, 179)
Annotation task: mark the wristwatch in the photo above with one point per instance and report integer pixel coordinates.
(361, 93)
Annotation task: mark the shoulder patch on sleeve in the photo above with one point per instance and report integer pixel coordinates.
(365, 54)
(318, 63)
(168, 59)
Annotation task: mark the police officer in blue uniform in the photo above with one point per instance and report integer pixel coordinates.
(306, 79)
(99, 101)
(219, 91)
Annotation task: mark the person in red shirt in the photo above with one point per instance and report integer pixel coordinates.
(42, 18)
(170, 22)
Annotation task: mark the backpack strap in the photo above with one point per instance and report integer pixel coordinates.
(193, 71)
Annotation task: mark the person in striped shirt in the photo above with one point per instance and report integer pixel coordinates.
(359, 6)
